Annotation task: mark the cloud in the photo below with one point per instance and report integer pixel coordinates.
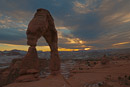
(106, 25)
(87, 6)
(11, 28)
(94, 24)
(122, 43)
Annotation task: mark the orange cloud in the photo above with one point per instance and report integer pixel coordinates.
(61, 27)
(75, 41)
(87, 48)
(65, 49)
(4, 46)
(122, 43)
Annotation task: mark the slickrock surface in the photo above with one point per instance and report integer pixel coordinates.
(50, 81)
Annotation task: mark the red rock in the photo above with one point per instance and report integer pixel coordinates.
(16, 65)
(23, 72)
(32, 71)
(26, 78)
(104, 60)
(10, 74)
(30, 61)
(42, 24)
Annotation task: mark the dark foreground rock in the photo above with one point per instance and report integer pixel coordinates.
(14, 73)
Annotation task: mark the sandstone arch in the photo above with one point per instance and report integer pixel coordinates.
(42, 25)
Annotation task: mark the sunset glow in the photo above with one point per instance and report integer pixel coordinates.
(87, 48)
(80, 24)
(8, 47)
(122, 43)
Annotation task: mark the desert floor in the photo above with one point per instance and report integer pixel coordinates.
(114, 74)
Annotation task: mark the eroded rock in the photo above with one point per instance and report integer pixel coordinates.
(42, 25)
(27, 78)
(30, 61)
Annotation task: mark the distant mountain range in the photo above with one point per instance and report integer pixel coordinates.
(72, 54)
(7, 56)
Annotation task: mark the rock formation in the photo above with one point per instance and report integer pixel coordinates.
(28, 68)
(8, 75)
(104, 60)
(16, 72)
(30, 61)
(43, 25)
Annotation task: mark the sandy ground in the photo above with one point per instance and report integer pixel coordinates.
(108, 73)
(114, 74)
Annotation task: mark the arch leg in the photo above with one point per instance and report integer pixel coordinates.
(52, 40)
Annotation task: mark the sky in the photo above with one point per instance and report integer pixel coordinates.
(81, 24)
